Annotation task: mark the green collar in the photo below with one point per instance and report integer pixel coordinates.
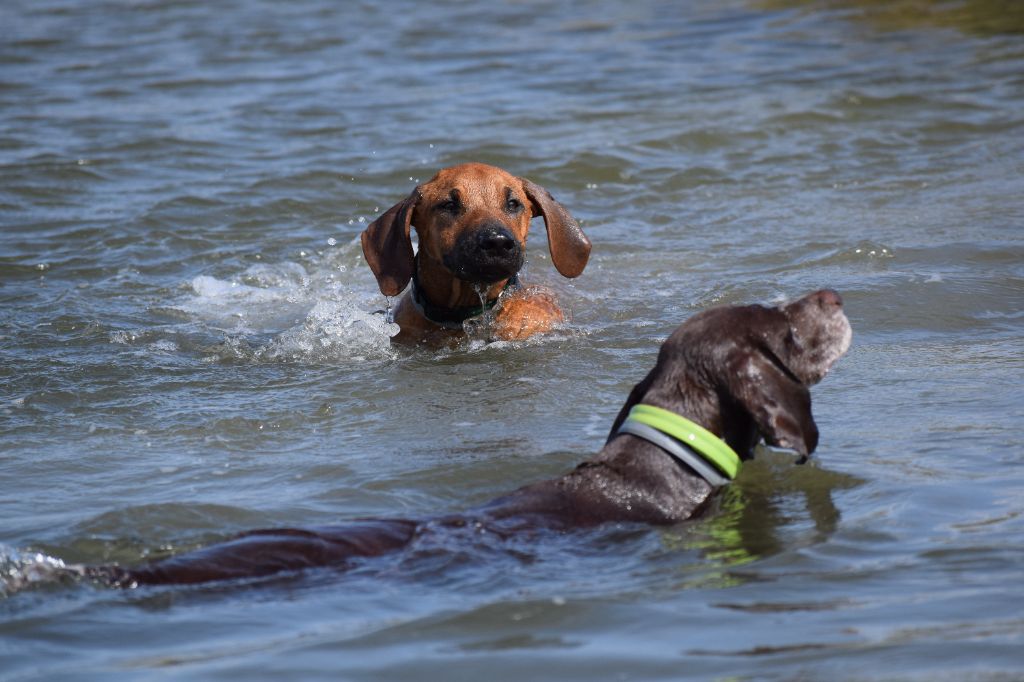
(698, 439)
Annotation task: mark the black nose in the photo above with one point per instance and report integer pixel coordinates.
(496, 241)
(486, 254)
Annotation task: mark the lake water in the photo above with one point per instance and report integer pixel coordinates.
(187, 345)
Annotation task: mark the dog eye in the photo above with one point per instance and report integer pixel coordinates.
(513, 205)
(448, 206)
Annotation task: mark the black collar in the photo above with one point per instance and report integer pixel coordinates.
(453, 317)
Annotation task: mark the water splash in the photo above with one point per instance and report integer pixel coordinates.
(24, 570)
(481, 327)
(321, 310)
(333, 330)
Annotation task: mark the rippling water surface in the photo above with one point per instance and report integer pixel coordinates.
(188, 346)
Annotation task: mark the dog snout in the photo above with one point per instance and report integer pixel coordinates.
(496, 241)
(488, 253)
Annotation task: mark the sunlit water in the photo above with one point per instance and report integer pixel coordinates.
(190, 345)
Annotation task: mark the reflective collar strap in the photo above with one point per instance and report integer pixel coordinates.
(676, 449)
(683, 432)
(453, 317)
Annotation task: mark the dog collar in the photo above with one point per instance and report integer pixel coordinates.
(688, 442)
(454, 317)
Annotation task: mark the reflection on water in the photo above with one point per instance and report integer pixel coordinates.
(773, 506)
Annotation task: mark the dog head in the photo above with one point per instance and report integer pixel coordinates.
(472, 219)
(744, 372)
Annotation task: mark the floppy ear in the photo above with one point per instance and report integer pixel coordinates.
(387, 246)
(778, 403)
(570, 248)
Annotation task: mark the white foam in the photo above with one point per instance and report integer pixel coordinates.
(19, 571)
(232, 305)
(164, 346)
(321, 310)
(333, 330)
(122, 337)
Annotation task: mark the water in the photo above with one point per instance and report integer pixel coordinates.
(188, 344)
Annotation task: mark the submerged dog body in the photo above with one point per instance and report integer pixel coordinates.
(472, 222)
(743, 373)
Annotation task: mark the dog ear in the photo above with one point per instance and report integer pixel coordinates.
(387, 246)
(779, 404)
(570, 248)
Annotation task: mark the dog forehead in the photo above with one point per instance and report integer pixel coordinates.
(812, 314)
(708, 339)
(729, 324)
(474, 181)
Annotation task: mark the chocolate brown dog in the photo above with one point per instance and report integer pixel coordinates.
(471, 221)
(737, 375)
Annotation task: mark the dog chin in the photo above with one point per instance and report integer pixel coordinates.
(485, 277)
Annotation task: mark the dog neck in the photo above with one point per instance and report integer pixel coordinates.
(447, 301)
(685, 441)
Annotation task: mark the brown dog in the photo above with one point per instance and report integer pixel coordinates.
(742, 373)
(471, 221)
